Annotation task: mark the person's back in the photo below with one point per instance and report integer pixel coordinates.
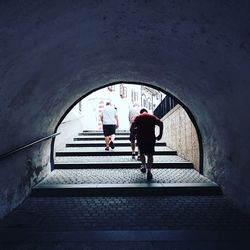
(133, 112)
(109, 115)
(145, 124)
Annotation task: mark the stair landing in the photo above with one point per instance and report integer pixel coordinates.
(75, 182)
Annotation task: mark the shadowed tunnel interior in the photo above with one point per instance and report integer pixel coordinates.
(52, 53)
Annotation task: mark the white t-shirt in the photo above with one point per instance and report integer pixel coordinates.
(133, 112)
(109, 115)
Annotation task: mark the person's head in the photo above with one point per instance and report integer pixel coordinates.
(108, 103)
(143, 111)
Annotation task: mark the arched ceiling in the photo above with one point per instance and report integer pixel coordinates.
(54, 52)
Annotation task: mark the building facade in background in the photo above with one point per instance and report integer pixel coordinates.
(121, 96)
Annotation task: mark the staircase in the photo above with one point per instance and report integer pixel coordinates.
(84, 168)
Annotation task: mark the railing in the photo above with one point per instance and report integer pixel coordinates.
(165, 106)
(28, 145)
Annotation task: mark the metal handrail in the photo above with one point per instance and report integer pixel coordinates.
(165, 106)
(27, 145)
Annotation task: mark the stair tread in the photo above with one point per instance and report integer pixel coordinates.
(123, 176)
(115, 172)
(117, 149)
(106, 182)
(102, 143)
(126, 185)
(101, 136)
(117, 159)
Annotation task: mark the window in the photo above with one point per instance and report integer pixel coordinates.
(149, 104)
(123, 91)
(80, 106)
(158, 95)
(144, 102)
(134, 96)
(111, 88)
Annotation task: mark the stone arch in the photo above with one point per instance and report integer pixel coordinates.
(53, 51)
(165, 91)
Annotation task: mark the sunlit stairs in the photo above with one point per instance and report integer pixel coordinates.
(84, 168)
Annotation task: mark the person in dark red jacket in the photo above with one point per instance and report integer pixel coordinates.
(145, 134)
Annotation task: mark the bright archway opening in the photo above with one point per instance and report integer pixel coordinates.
(180, 130)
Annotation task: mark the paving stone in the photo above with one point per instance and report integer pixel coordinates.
(127, 213)
(122, 176)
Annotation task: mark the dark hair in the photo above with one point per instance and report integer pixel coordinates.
(143, 110)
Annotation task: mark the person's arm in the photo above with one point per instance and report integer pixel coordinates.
(101, 117)
(135, 122)
(160, 124)
(117, 121)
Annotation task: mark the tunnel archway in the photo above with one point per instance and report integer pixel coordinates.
(166, 92)
(51, 52)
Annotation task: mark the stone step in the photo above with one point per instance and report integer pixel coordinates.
(99, 138)
(50, 190)
(120, 143)
(125, 181)
(94, 133)
(106, 153)
(100, 150)
(78, 162)
(15, 238)
(114, 165)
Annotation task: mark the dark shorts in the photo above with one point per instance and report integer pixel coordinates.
(109, 129)
(132, 135)
(146, 147)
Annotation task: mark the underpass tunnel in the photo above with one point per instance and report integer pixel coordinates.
(54, 53)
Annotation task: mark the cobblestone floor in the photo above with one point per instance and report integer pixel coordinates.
(127, 213)
(122, 176)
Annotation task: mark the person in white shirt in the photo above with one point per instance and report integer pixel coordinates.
(110, 122)
(134, 111)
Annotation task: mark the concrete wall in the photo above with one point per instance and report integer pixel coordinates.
(54, 52)
(180, 134)
(71, 125)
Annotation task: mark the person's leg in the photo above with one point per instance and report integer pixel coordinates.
(149, 166)
(143, 161)
(141, 146)
(150, 152)
(112, 137)
(132, 140)
(133, 149)
(133, 146)
(106, 136)
(150, 162)
(139, 155)
(107, 142)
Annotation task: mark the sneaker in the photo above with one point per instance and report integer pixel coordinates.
(133, 155)
(107, 148)
(149, 176)
(143, 169)
(111, 144)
